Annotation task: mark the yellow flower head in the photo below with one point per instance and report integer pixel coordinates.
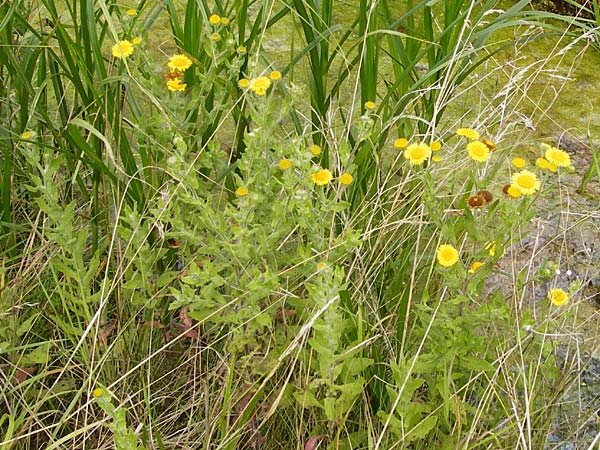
(179, 62)
(321, 177)
(321, 266)
(475, 266)
(131, 12)
(489, 144)
(260, 85)
(527, 182)
(558, 157)
(241, 191)
(214, 19)
(315, 150)
(175, 85)
(370, 105)
(514, 191)
(215, 37)
(478, 151)
(447, 255)
(519, 163)
(136, 40)
(346, 179)
(122, 49)
(401, 143)
(224, 21)
(435, 146)
(417, 154)
(436, 158)
(542, 163)
(469, 133)
(97, 393)
(285, 164)
(243, 83)
(557, 296)
(27, 135)
(491, 248)
(275, 75)
(241, 50)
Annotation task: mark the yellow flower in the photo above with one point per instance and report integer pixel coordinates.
(475, 266)
(400, 143)
(285, 164)
(469, 133)
(527, 182)
(315, 150)
(435, 146)
(214, 19)
(215, 37)
(275, 75)
(131, 12)
(224, 21)
(519, 163)
(447, 255)
(346, 179)
(558, 157)
(514, 191)
(122, 50)
(436, 158)
(175, 85)
(417, 154)
(136, 40)
(370, 105)
(97, 393)
(478, 151)
(27, 135)
(321, 177)
(260, 85)
(179, 62)
(241, 191)
(557, 296)
(243, 83)
(489, 144)
(321, 266)
(542, 163)
(241, 50)
(491, 248)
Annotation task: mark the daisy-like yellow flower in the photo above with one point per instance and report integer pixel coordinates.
(542, 163)
(475, 266)
(558, 157)
(435, 146)
(214, 19)
(315, 150)
(417, 154)
(241, 191)
(131, 12)
(489, 144)
(469, 133)
(370, 105)
(275, 75)
(321, 266)
(321, 177)
(260, 85)
(401, 143)
(519, 163)
(285, 164)
(514, 191)
(97, 393)
(175, 85)
(346, 179)
(122, 49)
(243, 83)
(27, 135)
(557, 296)
(136, 40)
(179, 63)
(527, 182)
(447, 255)
(215, 37)
(478, 151)
(224, 21)
(436, 158)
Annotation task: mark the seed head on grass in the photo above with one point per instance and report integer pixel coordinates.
(122, 49)
(447, 255)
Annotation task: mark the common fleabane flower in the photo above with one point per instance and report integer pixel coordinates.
(478, 151)
(321, 177)
(179, 62)
(558, 157)
(557, 296)
(175, 85)
(401, 143)
(260, 85)
(527, 182)
(447, 255)
(285, 164)
(417, 154)
(346, 179)
(122, 49)
(469, 133)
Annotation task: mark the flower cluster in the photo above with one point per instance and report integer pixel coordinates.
(261, 84)
(177, 64)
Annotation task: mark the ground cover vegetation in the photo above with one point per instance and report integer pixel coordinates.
(210, 245)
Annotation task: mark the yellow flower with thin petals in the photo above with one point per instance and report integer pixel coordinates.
(315, 150)
(275, 75)
(122, 49)
(514, 191)
(321, 177)
(489, 144)
(557, 296)
(136, 40)
(179, 63)
(224, 21)
(215, 37)
(478, 151)
(542, 163)
(370, 105)
(285, 164)
(175, 85)
(519, 163)
(241, 191)
(97, 393)
(27, 135)
(558, 157)
(131, 12)
(527, 182)
(437, 158)
(475, 266)
(469, 133)
(346, 179)
(417, 154)
(401, 143)
(260, 85)
(447, 255)
(243, 83)
(214, 19)
(435, 146)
